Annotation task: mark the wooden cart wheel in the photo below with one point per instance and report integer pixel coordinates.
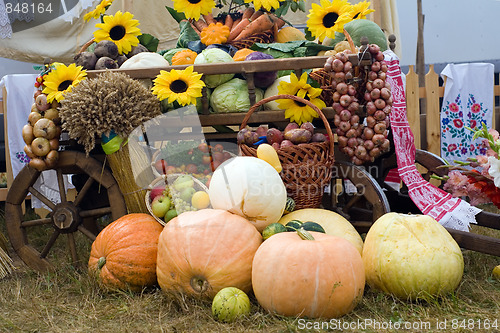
(366, 204)
(65, 219)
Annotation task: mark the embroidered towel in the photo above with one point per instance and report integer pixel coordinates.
(440, 205)
(467, 101)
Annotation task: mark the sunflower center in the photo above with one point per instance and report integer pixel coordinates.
(178, 86)
(300, 104)
(356, 16)
(64, 85)
(194, 2)
(330, 19)
(117, 32)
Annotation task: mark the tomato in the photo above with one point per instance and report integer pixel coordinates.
(203, 147)
(191, 168)
(160, 166)
(218, 148)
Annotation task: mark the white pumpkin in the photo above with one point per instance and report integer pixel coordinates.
(144, 60)
(249, 187)
(272, 90)
(411, 256)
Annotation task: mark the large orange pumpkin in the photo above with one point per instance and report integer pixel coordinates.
(202, 252)
(123, 254)
(320, 278)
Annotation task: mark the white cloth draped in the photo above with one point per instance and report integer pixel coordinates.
(20, 89)
(5, 27)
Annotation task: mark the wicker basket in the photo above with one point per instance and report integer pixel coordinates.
(169, 179)
(263, 37)
(307, 167)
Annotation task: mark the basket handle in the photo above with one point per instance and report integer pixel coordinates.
(86, 45)
(297, 99)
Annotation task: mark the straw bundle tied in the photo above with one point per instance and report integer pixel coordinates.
(109, 107)
(6, 264)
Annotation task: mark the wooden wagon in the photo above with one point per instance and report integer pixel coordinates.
(98, 193)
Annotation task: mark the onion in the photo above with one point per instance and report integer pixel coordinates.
(379, 115)
(382, 75)
(354, 119)
(385, 93)
(337, 107)
(351, 90)
(376, 66)
(348, 76)
(357, 161)
(347, 67)
(374, 48)
(379, 56)
(369, 86)
(379, 103)
(336, 120)
(378, 139)
(342, 140)
(339, 77)
(345, 100)
(337, 65)
(378, 83)
(370, 121)
(345, 115)
(370, 108)
(367, 96)
(360, 152)
(341, 56)
(379, 128)
(383, 67)
(372, 75)
(339, 132)
(344, 126)
(328, 64)
(352, 142)
(387, 110)
(375, 93)
(386, 145)
(336, 96)
(349, 151)
(342, 88)
(351, 133)
(369, 145)
(375, 152)
(368, 133)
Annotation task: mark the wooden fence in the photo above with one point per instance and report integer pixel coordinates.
(425, 121)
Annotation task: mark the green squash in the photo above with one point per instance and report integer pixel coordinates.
(293, 225)
(361, 28)
(272, 229)
(313, 226)
(289, 206)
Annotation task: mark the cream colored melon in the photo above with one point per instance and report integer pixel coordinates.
(333, 223)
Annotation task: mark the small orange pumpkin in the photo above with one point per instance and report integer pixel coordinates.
(215, 33)
(241, 54)
(201, 252)
(184, 57)
(123, 255)
(318, 277)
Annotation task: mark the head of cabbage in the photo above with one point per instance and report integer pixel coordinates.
(233, 96)
(211, 56)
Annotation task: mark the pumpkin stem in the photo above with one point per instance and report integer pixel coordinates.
(101, 262)
(304, 234)
(199, 284)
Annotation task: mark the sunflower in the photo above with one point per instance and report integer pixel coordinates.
(61, 80)
(120, 29)
(296, 111)
(324, 20)
(360, 10)
(192, 9)
(182, 86)
(267, 4)
(98, 11)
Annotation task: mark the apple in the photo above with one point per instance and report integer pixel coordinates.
(182, 182)
(206, 159)
(52, 158)
(54, 143)
(170, 215)
(160, 206)
(203, 147)
(161, 166)
(52, 114)
(41, 102)
(45, 128)
(156, 191)
(34, 108)
(218, 156)
(218, 148)
(29, 152)
(40, 146)
(187, 194)
(37, 164)
(191, 168)
(35, 95)
(170, 170)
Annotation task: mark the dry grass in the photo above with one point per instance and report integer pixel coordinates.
(70, 301)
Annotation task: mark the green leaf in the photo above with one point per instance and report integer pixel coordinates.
(302, 5)
(176, 15)
(309, 36)
(294, 6)
(149, 41)
(283, 9)
(186, 35)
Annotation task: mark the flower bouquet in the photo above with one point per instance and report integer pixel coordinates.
(477, 179)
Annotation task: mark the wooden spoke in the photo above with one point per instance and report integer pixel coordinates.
(83, 191)
(86, 232)
(72, 248)
(95, 212)
(60, 181)
(33, 223)
(355, 198)
(50, 243)
(42, 198)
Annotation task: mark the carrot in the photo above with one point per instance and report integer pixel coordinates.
(200, 24)
(195, 28)
(248, 12)
(275, 29)
(209, 18)
(229, 21)
(261, 24)
(256, 15)
(236, 30)
(280, 21)
(236, 22)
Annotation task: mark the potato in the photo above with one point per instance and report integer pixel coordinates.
(86, 59)
(106, 48)
(136, 50)
(298, 135)
(106, 63)
(274, 135)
